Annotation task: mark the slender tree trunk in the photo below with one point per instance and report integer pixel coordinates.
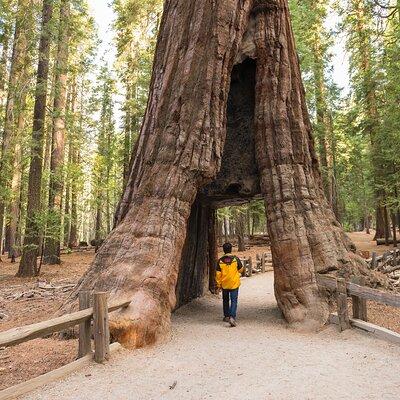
(226, 229)
(386, 225)
(28, 264)
(369, 100)
(73, 233)
(16, 185)
(15, 92)
(99, 224)
(75, 160)
(128, 130)
(5, 42)
(379, 223)
(67, 200)
(367, 224)
(180, 150)
(240, 223)
(394, 229)
(398, 218)
(52, 245)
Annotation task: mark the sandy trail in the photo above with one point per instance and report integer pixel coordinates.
(260, 359)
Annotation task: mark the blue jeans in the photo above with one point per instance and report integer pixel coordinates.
(232, 295)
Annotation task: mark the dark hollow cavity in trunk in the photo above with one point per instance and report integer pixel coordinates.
(236, 182)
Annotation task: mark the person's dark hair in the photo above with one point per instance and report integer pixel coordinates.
(227, 247)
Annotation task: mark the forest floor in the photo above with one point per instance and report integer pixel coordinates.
(260, 359)
(26, 301)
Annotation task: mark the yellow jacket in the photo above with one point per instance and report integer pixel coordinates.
(229, 269)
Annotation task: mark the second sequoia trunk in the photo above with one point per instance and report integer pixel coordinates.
(180, 151)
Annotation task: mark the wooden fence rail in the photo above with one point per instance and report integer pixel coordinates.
(98, 313)
(359, 294)
(259, 266)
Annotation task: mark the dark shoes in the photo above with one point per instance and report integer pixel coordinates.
(232, 322)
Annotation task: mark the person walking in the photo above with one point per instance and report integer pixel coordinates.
(229, 270)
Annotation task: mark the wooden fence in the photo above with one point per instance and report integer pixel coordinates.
(259, 266)
(359, 294)
(85, 317)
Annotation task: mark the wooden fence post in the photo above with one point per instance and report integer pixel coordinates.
(359, 304)
(341, 296)
(373, 260)
(85, 346)
(244, 262)
(250, 267)
(263, 263)
(101, 327)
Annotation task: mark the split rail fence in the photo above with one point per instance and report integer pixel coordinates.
(261, 264)
(360, 294)
(97, 314)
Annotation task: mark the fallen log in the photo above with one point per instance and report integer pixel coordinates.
(382, 241)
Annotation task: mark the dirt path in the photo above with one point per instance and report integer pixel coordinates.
(260, 359)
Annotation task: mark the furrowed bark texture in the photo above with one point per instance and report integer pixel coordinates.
(193, 269)
(305, 236)
(176, 177)
(179, 150)
(56, 186)
(28, 263)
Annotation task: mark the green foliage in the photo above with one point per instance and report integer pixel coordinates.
(357, 135)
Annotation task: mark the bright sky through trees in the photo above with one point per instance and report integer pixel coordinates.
(104, 15)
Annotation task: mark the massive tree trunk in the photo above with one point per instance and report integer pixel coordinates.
(28, 264)
(180, 151)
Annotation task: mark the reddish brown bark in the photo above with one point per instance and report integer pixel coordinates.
(52, 244)
(180, 150)
(16, 94)
(28, 264)
(146, 245)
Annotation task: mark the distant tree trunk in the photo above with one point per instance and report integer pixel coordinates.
(16, 182)
(5, 43)
(52, 245)
(226, 229)
(179, 152)
(73, 234)
(98, 227)
(367, 223)
(28, 264)
(108, 176)
(128, 133)
(248, 221)
(386, 225)
(67, 200)
(75, 159)
(15, 93)
(394, 229)
(362, 13)
(240, 231)
(379, 223)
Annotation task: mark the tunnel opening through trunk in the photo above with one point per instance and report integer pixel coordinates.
(236, 182)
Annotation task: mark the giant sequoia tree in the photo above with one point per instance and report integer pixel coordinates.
(226, 121)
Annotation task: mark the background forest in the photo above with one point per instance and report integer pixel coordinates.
(69, 119)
